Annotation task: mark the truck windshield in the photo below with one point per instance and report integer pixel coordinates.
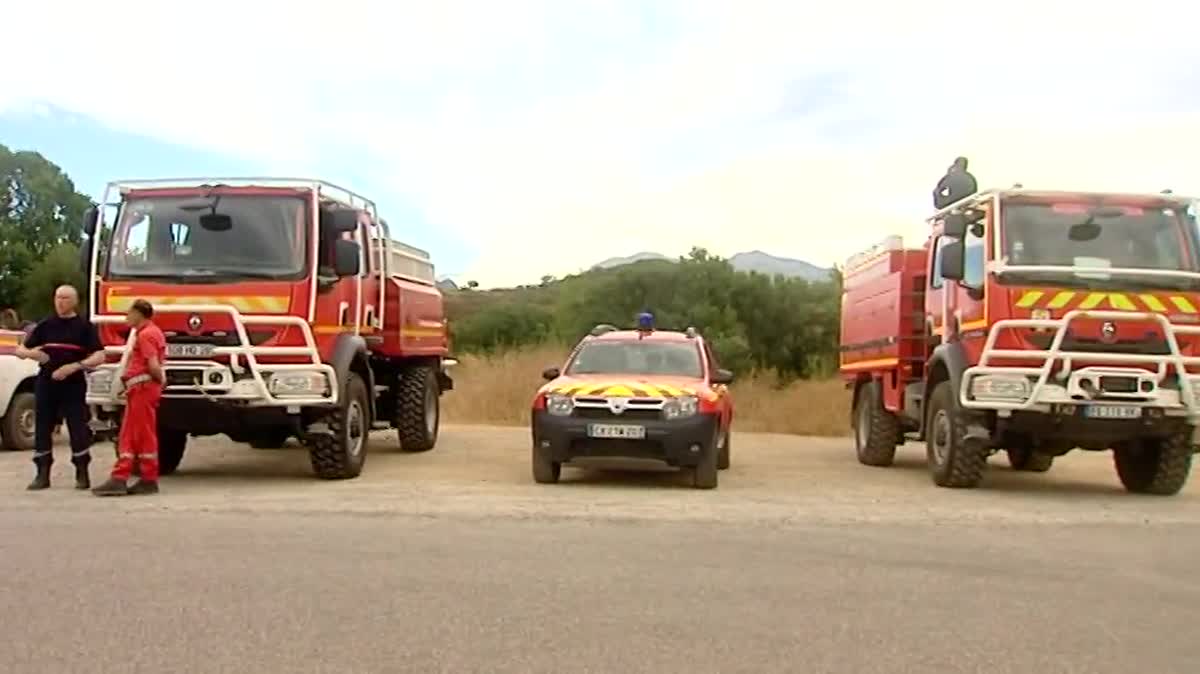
(259, 236)
(646, 357)
(1076, 235)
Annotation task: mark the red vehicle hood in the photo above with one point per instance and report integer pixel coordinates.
(628, 385)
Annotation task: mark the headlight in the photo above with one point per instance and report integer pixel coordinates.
(297, 383)
(1000, 387)
(559, 404)
(100, 382)
(680, 408)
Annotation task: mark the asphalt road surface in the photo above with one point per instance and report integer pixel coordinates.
(454, 561)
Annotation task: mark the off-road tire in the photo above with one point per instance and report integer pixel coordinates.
(418, 409)
(1026, 460)
(171, 446)
(1158, 466)
(723, 454)
(545, 471)
(875, 428)
(952, 462)
(14, 437)
(274, 438)
(333, 456)
(704, 474)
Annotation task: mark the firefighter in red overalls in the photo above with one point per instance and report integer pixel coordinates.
(143, 380)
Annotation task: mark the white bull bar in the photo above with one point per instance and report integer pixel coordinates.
(1043, 393)
(252, 390)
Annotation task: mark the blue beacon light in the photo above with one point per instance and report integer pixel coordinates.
(645, 321)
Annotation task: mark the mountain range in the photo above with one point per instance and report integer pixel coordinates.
(755, 260)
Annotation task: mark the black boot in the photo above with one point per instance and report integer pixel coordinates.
(144, 487)
(42, 479)
(111, 487)
(82, 479)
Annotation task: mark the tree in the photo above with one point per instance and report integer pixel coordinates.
(60, 266)
(39, 211)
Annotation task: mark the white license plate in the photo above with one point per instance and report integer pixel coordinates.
(189, 350)
(1112, 412)
(622, 431)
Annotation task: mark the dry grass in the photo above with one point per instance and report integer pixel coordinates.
(499, 390)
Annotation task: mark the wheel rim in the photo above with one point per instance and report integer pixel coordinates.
(25, 423)
(941, 435)
(354, 427)
(431, 412)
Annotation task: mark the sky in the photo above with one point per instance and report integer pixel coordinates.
(522, 138)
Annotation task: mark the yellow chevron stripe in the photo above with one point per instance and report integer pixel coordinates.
(1029, 299)
(1061, 299)
(251, 304)
(1183, 304)
(1118, 301)
(669, 390)
(1153, 303)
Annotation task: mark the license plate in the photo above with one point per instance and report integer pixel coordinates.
(622, 431)
(1112, 412)
(189, 350)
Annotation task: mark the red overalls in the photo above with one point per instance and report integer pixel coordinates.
(139, 427)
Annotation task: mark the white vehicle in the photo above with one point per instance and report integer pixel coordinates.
(17, 377)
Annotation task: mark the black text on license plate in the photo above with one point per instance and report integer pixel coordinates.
(189, 350)
(1112, 412)
(620, 431)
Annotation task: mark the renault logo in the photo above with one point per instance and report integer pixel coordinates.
(617, 405)
(194, 322)
(1108, 332)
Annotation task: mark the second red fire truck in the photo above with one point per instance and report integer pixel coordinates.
(1031, 322)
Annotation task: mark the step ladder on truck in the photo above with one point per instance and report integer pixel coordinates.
(1033, 322)
(288, 311)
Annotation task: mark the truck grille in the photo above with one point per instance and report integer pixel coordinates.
(1118, 384)
(605, 413)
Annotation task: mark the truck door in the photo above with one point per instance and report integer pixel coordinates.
(337, 307)
(966, 300)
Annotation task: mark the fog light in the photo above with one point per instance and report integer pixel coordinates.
(215, 377)
(1147, 386)
(1000, 387)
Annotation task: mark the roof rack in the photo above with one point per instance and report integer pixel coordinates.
(1018, 189)
(325, 189)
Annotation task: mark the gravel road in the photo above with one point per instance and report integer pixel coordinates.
(481, 472)
(454, 561)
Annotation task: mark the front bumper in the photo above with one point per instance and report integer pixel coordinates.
(678, 442)
(1142, 385)
(264, 385)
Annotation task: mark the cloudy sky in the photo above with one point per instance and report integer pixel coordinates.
(521, 138)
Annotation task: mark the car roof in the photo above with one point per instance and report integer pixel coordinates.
(634, 335)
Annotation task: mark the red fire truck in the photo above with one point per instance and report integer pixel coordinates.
(1036, 322)
(288, 311)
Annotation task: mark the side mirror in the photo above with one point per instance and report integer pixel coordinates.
(339, 221)
(85, 258)
(955, 224)
(550, 373)
(952, 261)
(90, 217)
(720, 376)
(346, 258)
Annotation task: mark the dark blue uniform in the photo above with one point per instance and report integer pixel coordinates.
(65, 341)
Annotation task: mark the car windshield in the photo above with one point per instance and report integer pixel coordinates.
(647, 357)
(1077, 235)
(262, 237)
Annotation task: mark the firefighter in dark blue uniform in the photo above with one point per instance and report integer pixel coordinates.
(66, 344)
